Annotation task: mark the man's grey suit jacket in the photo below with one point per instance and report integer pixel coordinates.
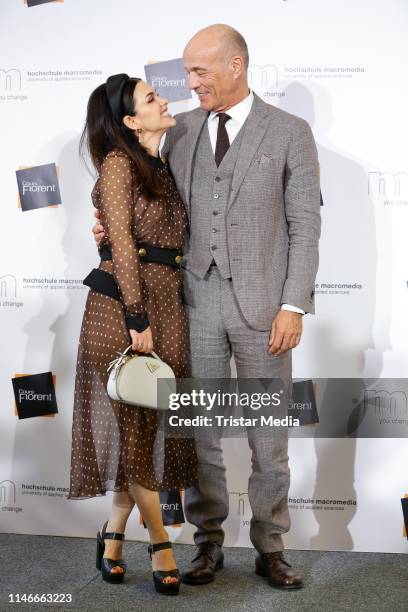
(273, 211)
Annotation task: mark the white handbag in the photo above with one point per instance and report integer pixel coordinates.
(135, 380)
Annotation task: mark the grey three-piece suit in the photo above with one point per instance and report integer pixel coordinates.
(258, 216)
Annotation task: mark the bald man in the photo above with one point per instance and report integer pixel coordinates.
(248, 174)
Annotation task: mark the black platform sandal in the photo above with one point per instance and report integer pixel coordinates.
(164, 588)
(106, 565)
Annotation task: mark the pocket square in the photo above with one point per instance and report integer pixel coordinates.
(264, 159)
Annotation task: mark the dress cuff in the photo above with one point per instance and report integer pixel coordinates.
(139, 322)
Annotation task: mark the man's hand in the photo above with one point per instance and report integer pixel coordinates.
(285, 333)
(142, 342)
(97, 229)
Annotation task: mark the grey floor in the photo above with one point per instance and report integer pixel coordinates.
(333, 581)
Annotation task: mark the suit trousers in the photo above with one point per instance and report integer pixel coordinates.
(217, 331)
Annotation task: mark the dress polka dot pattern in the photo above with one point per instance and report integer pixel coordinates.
(115, 445)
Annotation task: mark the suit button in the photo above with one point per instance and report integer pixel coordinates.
(216, 196)
(213, 248)
(214, 231)
(215, 212)
(218, 178)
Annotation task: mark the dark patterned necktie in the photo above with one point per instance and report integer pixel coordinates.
(223, 143)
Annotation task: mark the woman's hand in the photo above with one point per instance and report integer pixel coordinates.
(142, 342)
(98, 230)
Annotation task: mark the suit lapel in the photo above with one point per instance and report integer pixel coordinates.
(255, 127)
(197, 121)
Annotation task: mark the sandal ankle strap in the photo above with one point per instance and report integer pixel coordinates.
(152, 548)
(111, 535)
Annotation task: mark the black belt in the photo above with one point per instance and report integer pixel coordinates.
(103, 282)
(150, 254)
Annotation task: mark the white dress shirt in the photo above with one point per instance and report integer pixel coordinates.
(238, 114)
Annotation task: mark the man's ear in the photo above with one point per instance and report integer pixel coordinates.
(131, 122)
(237, 65)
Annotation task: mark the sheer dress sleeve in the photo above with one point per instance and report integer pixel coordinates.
(117, 212)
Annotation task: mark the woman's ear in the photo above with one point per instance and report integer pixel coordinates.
(131, 122)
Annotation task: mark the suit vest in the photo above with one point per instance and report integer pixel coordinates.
(210, 192)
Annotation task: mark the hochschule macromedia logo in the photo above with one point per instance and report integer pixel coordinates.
(388, 188)
(35, 395)
(8, 493)
(8, 292)
(10, 80)
(38, 187)
(264, 80)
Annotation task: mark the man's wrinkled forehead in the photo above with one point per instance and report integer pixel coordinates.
(199, 57)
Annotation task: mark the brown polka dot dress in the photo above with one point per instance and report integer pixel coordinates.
(115, 445)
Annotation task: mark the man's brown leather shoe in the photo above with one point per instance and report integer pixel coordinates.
(208, 560)
(278, 571)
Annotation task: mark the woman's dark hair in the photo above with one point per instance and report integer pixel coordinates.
(102, 134)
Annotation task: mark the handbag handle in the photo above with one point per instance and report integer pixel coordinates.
(155, 355)
(118, 360)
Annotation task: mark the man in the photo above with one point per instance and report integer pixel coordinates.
(248, 174)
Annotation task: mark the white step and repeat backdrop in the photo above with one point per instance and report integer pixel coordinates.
(342, 66)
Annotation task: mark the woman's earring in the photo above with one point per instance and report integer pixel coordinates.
(139, 131)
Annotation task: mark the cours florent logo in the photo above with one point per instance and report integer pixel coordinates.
(303, 405)
(169, 78)
(38, 187)
(171, 507)
(35, 395)
(31, 3)
(404, 503)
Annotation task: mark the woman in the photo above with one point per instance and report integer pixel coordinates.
(116, 446)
